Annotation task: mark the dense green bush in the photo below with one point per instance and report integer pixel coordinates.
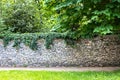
(21, 21)
(24, 16)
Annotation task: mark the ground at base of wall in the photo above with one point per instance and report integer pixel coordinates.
(64, 69)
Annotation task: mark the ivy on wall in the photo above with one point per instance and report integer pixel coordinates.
(30, 39)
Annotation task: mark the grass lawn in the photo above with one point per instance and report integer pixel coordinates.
(45, 75)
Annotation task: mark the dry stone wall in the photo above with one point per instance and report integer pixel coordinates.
(100, 51)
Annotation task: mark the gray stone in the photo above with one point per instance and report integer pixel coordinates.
(100, 51)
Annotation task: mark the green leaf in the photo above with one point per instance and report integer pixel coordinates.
(103, 30)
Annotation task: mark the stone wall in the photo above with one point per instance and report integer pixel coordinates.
(100, 51)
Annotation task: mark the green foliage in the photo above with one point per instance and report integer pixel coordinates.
(2, 26)
(86, 18)
(30, 39)
(72, 19)
(21, 21)
(103, 30)
(21, 16)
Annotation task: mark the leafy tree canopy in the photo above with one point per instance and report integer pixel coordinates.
(78, 18)
(86, 18)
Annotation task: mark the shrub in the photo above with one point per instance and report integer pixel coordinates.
(21, 21)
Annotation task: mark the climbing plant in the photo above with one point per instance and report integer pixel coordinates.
(30, 39)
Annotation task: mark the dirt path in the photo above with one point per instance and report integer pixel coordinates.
(65, 69)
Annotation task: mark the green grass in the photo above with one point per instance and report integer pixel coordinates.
(45, 75)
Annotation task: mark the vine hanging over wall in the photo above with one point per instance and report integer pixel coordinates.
(30, 39)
